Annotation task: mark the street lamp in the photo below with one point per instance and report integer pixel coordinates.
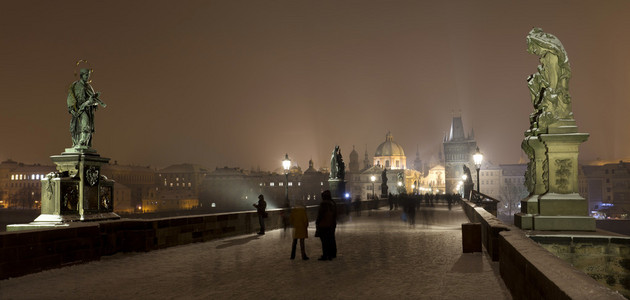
(373, 178)
(478, 158)
(286, 164)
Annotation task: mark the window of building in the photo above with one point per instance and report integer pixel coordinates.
(290, 183)
(299, 183)
(397, 164)
(272, 184)
(280, 183)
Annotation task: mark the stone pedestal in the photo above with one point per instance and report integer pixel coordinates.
(76, 192)
(337, 188)
(552, 177)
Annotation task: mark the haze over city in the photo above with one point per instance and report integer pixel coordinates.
(241, 83)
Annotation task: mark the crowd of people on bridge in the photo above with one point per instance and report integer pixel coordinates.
(326, 222)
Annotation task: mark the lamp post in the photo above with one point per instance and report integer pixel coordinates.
(373, 178)
(286, 164)
(478, 158)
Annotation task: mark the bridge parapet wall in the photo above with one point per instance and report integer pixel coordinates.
(31, 251)
(527, 269)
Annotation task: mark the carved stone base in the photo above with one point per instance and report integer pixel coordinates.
(566, 223)
(552, 204)
(529, 205)
(77, 192)
(553, 211)
(524, 221)
(337, 188)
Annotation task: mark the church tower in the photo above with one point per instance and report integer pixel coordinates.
(366, 160)
(417, 163)
(458, 151)
(354, 161)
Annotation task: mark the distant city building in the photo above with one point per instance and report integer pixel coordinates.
(133, 185)
(178, 188)
(490, 179)
(458, 151)
(20, 184)
(607, 189)
(227, 189)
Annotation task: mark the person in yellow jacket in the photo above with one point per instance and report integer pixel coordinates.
(299, 221)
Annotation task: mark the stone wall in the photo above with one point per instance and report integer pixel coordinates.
(31, 251)
(490, 227)
(527, 269)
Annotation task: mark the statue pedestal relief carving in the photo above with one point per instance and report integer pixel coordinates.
(552, 144)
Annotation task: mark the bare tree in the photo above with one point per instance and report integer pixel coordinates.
(510, 195)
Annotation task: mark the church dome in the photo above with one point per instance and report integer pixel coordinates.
(389, 147)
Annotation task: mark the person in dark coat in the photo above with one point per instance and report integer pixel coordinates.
(260, 209)
(325, 226)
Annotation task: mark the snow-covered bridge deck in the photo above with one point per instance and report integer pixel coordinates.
(379, 257)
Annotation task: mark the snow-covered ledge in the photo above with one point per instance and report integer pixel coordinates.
(529, 270)
(532, 272)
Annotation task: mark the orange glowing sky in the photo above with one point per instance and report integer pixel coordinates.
(241, 83)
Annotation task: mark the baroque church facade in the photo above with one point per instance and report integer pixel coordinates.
(365, 181)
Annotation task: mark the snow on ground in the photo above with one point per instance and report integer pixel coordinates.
(379, 257)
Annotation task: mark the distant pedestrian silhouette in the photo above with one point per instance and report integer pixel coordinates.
(261, 206)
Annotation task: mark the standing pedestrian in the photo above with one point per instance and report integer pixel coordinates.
(261, 206)
(299, 221)
(325, 226)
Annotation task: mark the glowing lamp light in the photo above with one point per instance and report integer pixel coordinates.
(373, 178)
(464, 177)
(478, 158)
(347, 195)
(399, 183)
(286, 163)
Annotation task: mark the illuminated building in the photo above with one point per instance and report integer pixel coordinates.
(458, 151)
(606, 186)
(20, 184)
(390, 155)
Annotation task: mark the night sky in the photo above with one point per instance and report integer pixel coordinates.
(241, 83)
